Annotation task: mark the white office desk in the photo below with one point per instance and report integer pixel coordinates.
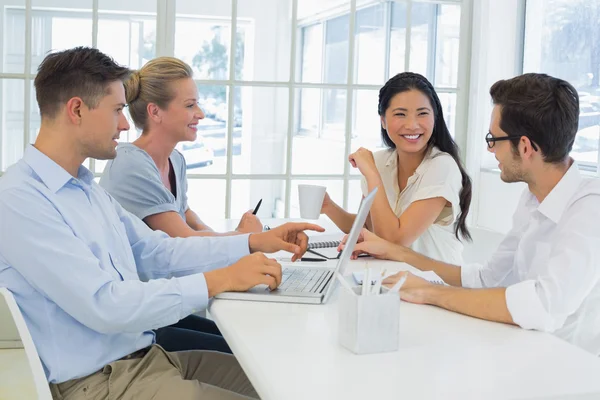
(291, 351)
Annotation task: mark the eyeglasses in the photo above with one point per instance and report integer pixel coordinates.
(491, 140)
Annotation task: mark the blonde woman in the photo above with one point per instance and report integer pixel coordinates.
(148, 176)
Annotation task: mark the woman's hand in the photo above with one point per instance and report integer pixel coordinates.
(364, 161)
(371, 244)
(249, 223)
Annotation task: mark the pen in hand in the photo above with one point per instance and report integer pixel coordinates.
(257, 207)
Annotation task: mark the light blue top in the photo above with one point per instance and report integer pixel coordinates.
(134, 180)
(75, 261)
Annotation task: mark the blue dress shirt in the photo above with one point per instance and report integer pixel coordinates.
(91, 279)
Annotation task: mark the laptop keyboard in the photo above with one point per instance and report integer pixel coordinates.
(302, 280)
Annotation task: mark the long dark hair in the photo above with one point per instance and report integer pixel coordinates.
(440, 137)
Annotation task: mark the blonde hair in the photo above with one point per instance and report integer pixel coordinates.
(150, 84)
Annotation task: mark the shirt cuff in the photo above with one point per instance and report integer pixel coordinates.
(194, 294)
(238, 247)
(469, 276)
(526, 309)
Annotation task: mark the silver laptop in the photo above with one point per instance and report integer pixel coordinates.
(311, 285)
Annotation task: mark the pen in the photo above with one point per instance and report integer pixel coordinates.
(377, 286)
(257, 207)
(312, 259)
(366, 283)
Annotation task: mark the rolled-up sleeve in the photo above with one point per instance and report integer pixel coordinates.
(556, 289)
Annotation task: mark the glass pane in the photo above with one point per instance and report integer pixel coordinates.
(203, 37)
(398, 38)
(448, 101)
(336, 49)
(245, 194)
(53, 28)
(319, 137)
(354, 195)
(14, 28)
(422, 38)
(261, 124)
(366, 130)
(206, 197)
(447, 46)
(335, 189)
(312, 53)
(585, 148)
(434, 42)
(128, 35)
(370, 45)
(208, 154)
(13, 127)
(561, 40)
(264, 40)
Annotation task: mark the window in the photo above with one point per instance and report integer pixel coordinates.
(562, 39)
(380, 37)
(128, 36)
(286, 99)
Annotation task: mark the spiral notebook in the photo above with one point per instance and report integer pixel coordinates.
(324, 246)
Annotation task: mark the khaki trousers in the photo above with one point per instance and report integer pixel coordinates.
(160, 375)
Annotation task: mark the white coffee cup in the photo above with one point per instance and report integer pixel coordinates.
(311, 199)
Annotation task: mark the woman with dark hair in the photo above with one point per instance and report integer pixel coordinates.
(426, 191)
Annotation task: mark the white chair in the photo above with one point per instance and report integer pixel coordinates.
(21, 373)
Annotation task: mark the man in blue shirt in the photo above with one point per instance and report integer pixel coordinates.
(93, 280)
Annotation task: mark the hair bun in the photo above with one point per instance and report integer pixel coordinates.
(133, 86)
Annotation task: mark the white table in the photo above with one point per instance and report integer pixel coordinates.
(291, 351)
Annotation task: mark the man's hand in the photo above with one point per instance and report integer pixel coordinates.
(249, 223)
(248, 272)
(371, 244)
(289, 237)
(414, 290)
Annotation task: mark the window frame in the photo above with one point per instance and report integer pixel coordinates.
(166, 16)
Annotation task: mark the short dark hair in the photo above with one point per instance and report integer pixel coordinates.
(440, 137)
(542, 108)
(79, 72)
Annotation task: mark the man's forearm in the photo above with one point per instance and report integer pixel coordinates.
(448, 272)
(488, 304)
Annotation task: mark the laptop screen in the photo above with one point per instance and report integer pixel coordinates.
(359, 222)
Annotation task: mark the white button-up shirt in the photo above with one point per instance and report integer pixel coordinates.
(438, 175)
(550, 262)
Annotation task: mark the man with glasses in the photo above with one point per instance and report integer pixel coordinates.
(545, 275)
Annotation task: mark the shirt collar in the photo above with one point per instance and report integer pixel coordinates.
(53, 175)
(556, 202)
(392, 159)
